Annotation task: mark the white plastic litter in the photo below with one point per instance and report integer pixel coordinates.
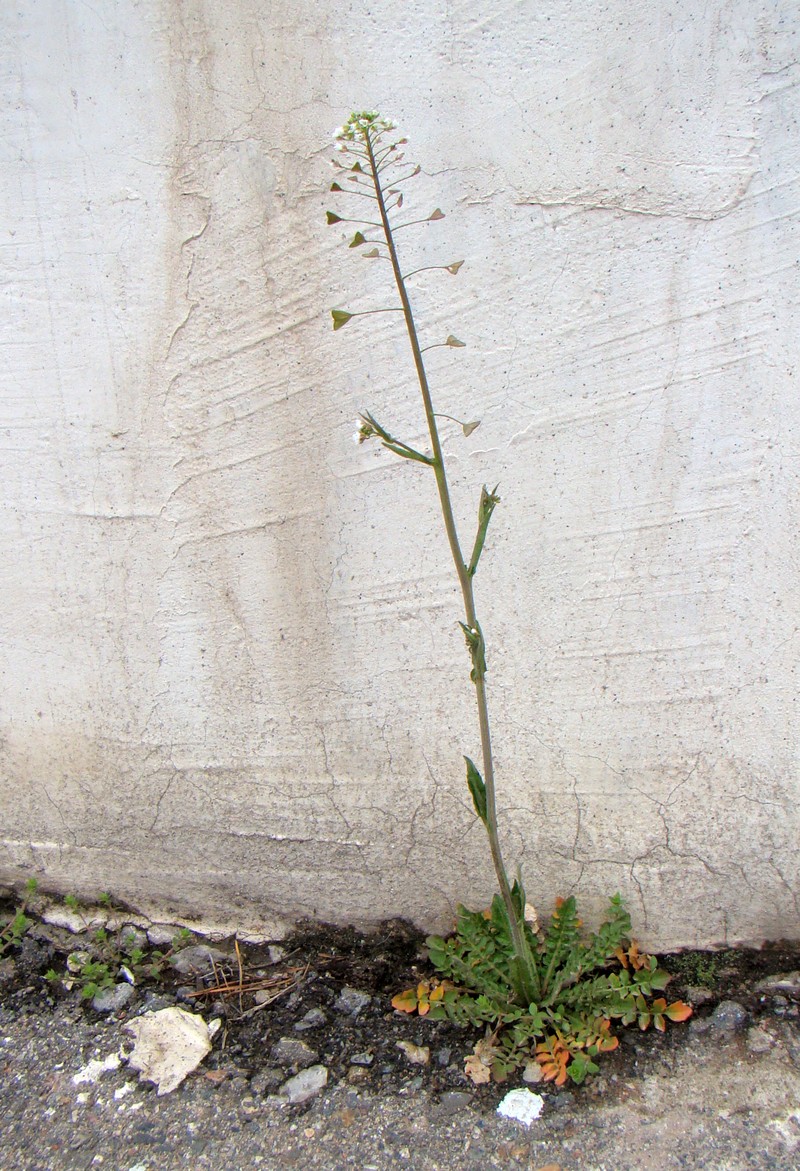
(521, 1105)
(170, 1044)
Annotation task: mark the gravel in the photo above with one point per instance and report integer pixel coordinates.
(311, 1068)
(698, 1104)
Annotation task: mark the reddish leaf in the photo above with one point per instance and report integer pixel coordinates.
(405, 1001)
(678, 1011)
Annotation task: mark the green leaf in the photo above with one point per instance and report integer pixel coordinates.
(336, 187)
(340, 318)
(478, 790)
(358, 240)
(332, 217)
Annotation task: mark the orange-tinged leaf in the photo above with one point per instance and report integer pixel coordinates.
(553, 1058)
(678, 1011)
(405, 1001)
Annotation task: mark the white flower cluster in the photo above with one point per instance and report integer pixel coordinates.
(359, 125)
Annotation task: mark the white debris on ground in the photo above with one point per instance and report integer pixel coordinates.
(95, 1069)
(169, 1044)
(522, 1106)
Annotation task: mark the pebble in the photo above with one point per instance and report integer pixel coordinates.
(291, 1052)
(266, 1080)
(454, 1100)
(162, 934)
(759, 1040)
(728, 1017)
(698, 995)
(416, 1054)
(533, 1073)
(364, 1058)
(197, 960)
(113, 999)
(312, 1020)
(785, 983)
(131, 937)
(153, 1001)
(305, 1085)
(276, 954)
(351, 1001)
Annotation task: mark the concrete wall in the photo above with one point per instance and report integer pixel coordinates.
(232, 680)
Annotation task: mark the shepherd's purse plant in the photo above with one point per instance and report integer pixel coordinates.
(524, 985)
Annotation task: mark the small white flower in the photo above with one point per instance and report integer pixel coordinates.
(339, 132)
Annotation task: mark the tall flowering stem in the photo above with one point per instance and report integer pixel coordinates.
(373, 166)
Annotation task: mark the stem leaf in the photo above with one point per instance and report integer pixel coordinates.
(477, 788)
(340, 317)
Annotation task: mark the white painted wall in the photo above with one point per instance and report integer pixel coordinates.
(232, 680)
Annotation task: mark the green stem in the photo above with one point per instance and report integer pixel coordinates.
(528, 982)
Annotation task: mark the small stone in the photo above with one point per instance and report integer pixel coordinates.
(162, 934)
(759, 1041)
(351, 1001)
(305, 1085)
(357, 1073)
(411, 1087)
(698, 996)
(197, 960)
(785, 983)
(443, 1056)
(293, 1053)
(364, 1058)
(276, 954)
(728, 1017)
(533, 1073)
(113, 999)
(454, 1100)
(153, 1001)
(312, 1020)
(186, 993)
(77, 961)
(131, 938)
(266, 1080)
(416, 1054)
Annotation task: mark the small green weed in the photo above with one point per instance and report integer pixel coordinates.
(581, 988)
(109, 956)
(17, 927)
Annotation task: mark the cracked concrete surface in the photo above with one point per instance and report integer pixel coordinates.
(232, 678)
